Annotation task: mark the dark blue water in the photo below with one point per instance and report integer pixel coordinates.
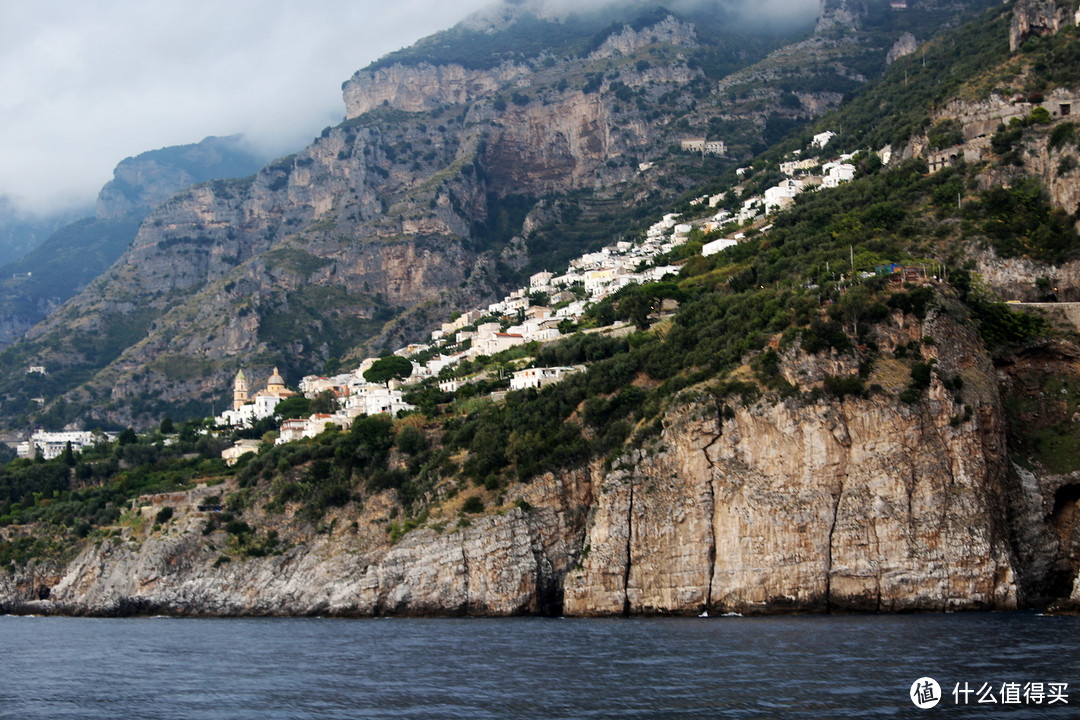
(789, 667)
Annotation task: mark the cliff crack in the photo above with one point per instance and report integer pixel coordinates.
(629, 535)
(465, 568)
(877, 554)
(711, 486)
(936, 433)
(829, 553)
(836, 514)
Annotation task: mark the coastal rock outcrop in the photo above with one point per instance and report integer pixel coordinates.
(776, 505)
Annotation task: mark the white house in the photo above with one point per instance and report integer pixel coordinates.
(232, 454)
(575, 309)
(597, 280)
(494, 343)
(381, 400)
(450, 386)
(654, 274)
(716, 246)
(541, 280)
(822, 139)
(837, 173)
(292, 429)
(540, 377)
(782, 195)
(751, 209)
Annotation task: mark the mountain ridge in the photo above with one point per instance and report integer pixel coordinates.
(458, 181)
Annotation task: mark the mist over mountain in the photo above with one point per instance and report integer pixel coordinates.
(465, 161)
(52, 269)
(20, 231)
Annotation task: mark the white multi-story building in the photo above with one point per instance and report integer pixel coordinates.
(494, 343)
(837, 173)
(381, 400)
(52, 444)
(782, 195)
(541, 280)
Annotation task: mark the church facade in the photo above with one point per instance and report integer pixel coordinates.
(248, 409)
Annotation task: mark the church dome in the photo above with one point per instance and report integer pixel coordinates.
(275, 380)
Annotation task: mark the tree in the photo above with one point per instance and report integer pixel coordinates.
(636, 306)
(388, 368)
(294, 407)
(854, 304)
(324, 402)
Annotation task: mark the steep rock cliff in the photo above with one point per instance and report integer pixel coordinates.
(801, 504)
(506, 564)
(1032, 18)
(862, 505)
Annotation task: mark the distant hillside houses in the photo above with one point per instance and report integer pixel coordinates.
(704, 146)
(515, 320)
(782, 195)
(519, 318)
(53, 444)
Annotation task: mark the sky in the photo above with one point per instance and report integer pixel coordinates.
(84, 85)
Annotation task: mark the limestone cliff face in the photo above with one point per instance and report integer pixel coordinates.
(143, 182)
(1032, 18)
(906, 45)
(861, 506)
(416, 88)
(796, 505)
(506, 564)
(669, 31)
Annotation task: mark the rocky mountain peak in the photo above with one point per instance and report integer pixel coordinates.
(1032, 18)
(669, 31)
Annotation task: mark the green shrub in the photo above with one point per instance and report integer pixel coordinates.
(1062, 134)
(842, 386)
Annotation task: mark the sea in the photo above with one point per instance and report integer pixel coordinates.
(968, 665)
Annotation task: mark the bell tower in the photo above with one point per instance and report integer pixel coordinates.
(240, 391)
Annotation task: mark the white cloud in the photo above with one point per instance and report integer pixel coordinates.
(84, 85)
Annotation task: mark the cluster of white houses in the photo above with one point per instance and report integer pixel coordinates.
(515, 320)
